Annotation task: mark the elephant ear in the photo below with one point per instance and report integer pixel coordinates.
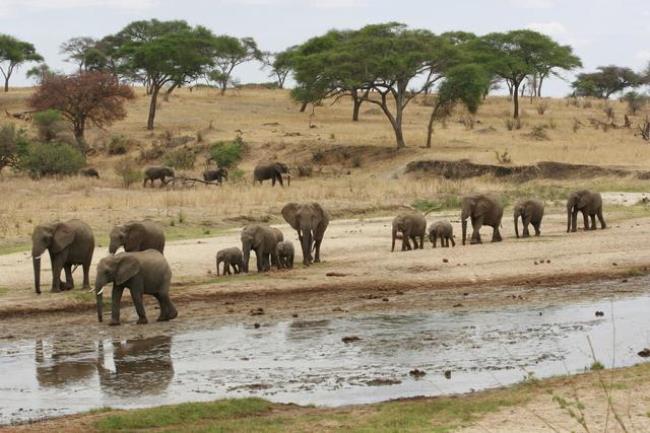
(127, 268)
(290, 214)
(63, 237)
(134, 236)
(320, 212)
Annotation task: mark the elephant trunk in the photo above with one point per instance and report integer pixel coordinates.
(37, 274)
(517, 224)
(288, 180)
(464, 227)
(306, 247)
(247, 254)
(112, 248)
(218, 268)
(392, 247)
(100, 305)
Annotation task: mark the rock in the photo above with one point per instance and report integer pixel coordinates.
(645, 353)
(335, 274)
(457, 305)
(548, 261)
(614, 264)
(257, 312)
(465, 294)
(445, 260)
(257, 325)
(416, 373)
(624, 280)
(294, 315)
(385, 299)
(600, 314)
(535, 263)
(448, 374)
(383, 382)
(350, 339)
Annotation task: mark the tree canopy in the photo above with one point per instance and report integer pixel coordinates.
(606, 81)
(13, 53)
(228, 53)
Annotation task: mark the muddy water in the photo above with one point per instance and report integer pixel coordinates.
(307, 362)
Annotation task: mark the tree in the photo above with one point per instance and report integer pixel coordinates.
(518, 54)
(82, 98)
(558, 57)
(230, 52)
(606, 81)
(280, 65)
(158, 53)
(13, 53)
(77, 50)
(464, 84)
(39, 72)
(11, 142)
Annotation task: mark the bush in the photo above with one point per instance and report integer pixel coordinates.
(514, 124)
(227, 153)
(236, 175)
(48, 159)
(48, 124)
(13, 143)
(542, 107)
(448, 201)
(118, 145)
(128, 171)
(635, 102)
(182, 159)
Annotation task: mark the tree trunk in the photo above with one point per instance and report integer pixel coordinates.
(6, 84)
(152, 106)
(223, 84)
(516, 100)
(399, 136)
(303, 107)
(509, 89)
(430, 126)
(357, 105)
(539, 86)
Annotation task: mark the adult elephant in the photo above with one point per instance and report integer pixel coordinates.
(137, 236)
(158, 173)
(272, 171)
(481, 210)
(218, 174)
(411, 226)
(142, 272)
(69, 243)
(263, 240)
(590, 204)
(310, 220)
(530, 212)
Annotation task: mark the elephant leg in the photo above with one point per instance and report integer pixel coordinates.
(496, 236)
(275, 261)
(593, 222)
(453, 243)
(526, 222)
(585, 218)
(172, 313)
(273, 181)
(57, 266)
(162, 306)
(116, 300)
(406, 245)
(434, 241)
(86, 274)
(476, 230)
(69, 282)
(138, 302)
(601, 219)
(536, 226)
(280, 180)
(317, 243)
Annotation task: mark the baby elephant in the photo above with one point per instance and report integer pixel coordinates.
(230, 257)
(142, 272)
(530, 212)
(444, 231)
(285, 255)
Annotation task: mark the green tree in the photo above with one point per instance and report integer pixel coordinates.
(13, 53)
(158, 53)
(606, 81)
(230, 52)
(39, 72)
(559, 57)
(279, 64)
(77, 50)
(463, 84)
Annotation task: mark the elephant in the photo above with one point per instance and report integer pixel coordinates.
(530, 212)
(66, 362)
(262, 239)
(142, 272)
(482, 210)
(286, 254)
(218, 174)
(153, 173)
(89, 172)
(444, 231)
(272, 171)
(310, 220)
(137, 236)
(590, 204)
(410, 225)
(230, 257)
(69, 243)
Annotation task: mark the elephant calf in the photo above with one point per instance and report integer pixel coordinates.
(158, 173)
(412, 226)
(89, 172)
(481, 210)
(272, 171)
(286, 255)
(590, 204)
(230, 257)
(444, 231)
(530, 212)
(218, 174)
(142, 272)
(137, 236)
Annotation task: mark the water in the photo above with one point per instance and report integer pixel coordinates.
(306, 362)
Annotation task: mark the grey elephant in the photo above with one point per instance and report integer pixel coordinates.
(482, 210)
(89, 172)
(286, 254)
(590, 204)
(137, 236)
(69, 243)
(158, 173)
(142, 272)
(230, 257)
(263, 240)
(410, 226)
(273, 171)
(530, 212)
(444, 231)
(218, 174)
(310, 220)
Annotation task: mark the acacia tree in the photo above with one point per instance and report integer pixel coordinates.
(13, 53)
(39, 72)
(557, 57)
(230, 52)
(159, 53)
(77, 50)
(279, 64)
(606, 81)
(82, 98)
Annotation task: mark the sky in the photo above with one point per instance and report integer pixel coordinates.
(601, 31)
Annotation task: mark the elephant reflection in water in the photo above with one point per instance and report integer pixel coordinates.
(142, 367)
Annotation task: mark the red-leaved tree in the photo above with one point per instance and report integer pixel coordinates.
(82, 98)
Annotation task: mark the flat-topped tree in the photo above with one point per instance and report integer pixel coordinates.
(230, 52)
(279, 64)
(158, 53)
(606, 81)
(13, 53)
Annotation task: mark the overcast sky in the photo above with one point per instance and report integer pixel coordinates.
(601, 31)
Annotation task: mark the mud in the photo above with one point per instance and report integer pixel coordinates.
(306, 361)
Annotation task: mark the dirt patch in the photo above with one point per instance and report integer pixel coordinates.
(464, 168)
(353, 155)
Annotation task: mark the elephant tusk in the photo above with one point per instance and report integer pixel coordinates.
(100, 292)
(91, 290)
(37, 257)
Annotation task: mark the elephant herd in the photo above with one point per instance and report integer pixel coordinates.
(484, 210)
(143, 269)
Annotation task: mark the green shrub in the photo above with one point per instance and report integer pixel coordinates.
(48, 159)
(182, 159)
(227, 154)
(48, 124)
(127, 169)
(450, 201)
(236, 175)
(118, 145)
(13, 143)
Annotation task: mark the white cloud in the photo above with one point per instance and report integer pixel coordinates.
(532, 4)
(551, 28)
(9, 7)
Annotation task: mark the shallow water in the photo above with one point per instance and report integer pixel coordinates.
(307, 362)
